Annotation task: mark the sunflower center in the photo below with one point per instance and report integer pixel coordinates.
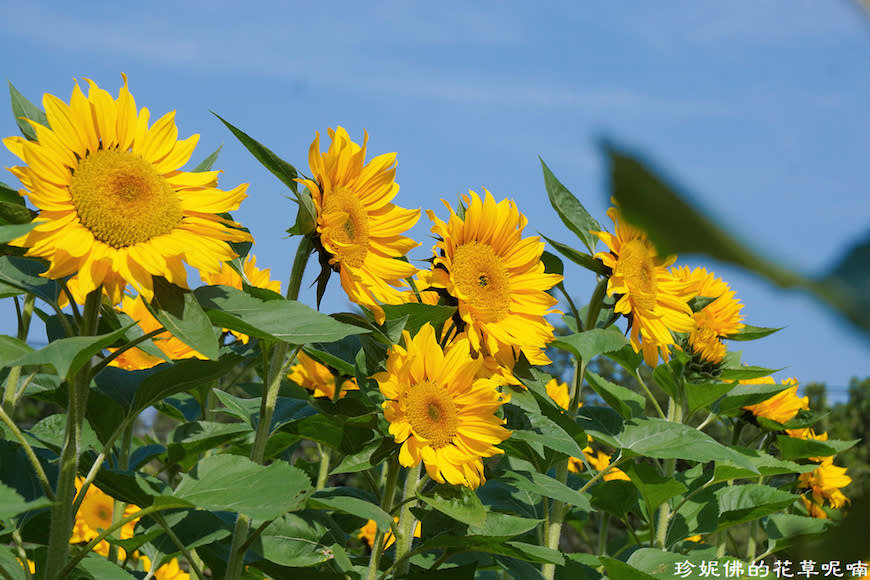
(121, 199)
(636, 264)
(482, 279)
(345, 232)
(431, 413)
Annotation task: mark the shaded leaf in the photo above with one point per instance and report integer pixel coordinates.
(749, 332)
(207, 163)
(625, 401)
(24, 274)
(579, 258)
(545, 485)
(352, 501)
(793, 448)
(180, 313)
(68, 355)
(10, 232)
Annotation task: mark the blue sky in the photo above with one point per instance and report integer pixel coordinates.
(757, 108)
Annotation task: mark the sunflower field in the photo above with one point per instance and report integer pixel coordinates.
(473, 418)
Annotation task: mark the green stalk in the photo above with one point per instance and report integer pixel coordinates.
(386, 502)
(28, 450)
(323, 472)
(407, 521)
(61, 512)
(675, 415)
(275, 370)
(119, 506)
(24, 317)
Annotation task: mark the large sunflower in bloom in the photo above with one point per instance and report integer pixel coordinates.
(114, 207)
(96, 514)
(717, 320)
(655, 302)
(497, 278)
(440, 410)
(358, 229)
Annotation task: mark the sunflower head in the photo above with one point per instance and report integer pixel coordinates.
(654, 301)
(496, 278)
(358, 232)
(114, 208)
(716, 320)
(782, 407)
(440, 409)
(825, 483)
(317, 378)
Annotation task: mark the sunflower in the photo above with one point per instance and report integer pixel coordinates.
(717, 320)
(368, 532)
(96, 514)
(825, 483)
(136, 358)
(358, 229)
(651, 298)
(255, 277)
(599, 460)
(169, 571)
(317, 378)
(497, 278)
(114, 207)
(440, 410)
(783, 406)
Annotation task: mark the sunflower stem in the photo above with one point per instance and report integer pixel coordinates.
(392, 479)
(675, 415)
(276, 369)
(61, 512)
(407, 520)
(323, 472)
(120, 506)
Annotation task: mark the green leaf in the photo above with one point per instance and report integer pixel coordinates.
(207, 163)
(553, 435)
(68, 355)
(23, 109)
(552, 263)
(618, 497)
(743, 503)
(591, 343)
(284, 320)
(745, 373)
(646, 201)
(178, 377)
(351, 501)
(752, 333)
(180, 313)
(579, 258)
(794, 448)
(370, 456)
(234, 483)
(625, 401)
(12, 348)
(666, 378)
(10, 232)
(744, 395)
(570, 210)
(787, 527)
(702, 395)
(279, 168)
(459, 503)
(618, 570)
(10, 565)
(518, 550)
(767, 465)
(12, 504)
(299, 539)
(99, 568)
(545, 485)
(419, 314)
(504, 526)
(627, 358)
(191, 439)
(345, 437)
(660, 439)
(24, 274)
(654, 487)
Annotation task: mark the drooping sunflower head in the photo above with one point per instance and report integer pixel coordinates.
(358, 228)
(649, 295)
(440, 409)
(317, 378)
(719, 319)
(496, 277)
(825, 483)
(782, 407)
(114, 207)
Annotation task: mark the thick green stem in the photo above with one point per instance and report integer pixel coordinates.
(407, 521)
(275, 370)
(61, 512)
(120, 506)
(323, 472)
(675, 414)
(392, 478)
